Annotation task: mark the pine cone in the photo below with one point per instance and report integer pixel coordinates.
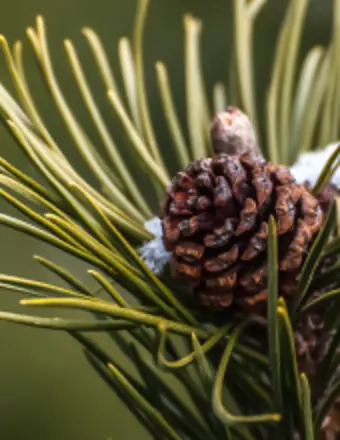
(215, 222)
(331, 424)
(312, 342)
(327, 195)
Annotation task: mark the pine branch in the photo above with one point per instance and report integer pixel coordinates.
(244, 377)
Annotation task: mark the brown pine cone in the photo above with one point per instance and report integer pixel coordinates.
(312, 342)
(326, 195)
(215, 221)
(331, 424)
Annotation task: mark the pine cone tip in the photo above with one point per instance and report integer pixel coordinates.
(232, 132)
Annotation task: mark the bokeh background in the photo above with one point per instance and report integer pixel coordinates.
(47, 389)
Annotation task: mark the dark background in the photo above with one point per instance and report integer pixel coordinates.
(47, 390)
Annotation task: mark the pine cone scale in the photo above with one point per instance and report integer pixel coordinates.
(189, 251)
(248, 217)
(223, 261)
(311, 211)
(284, 209)
(257, 244)
(263, 185)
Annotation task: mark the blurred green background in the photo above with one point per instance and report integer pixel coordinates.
(47, 389)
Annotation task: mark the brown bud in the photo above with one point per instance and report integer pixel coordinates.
(232, 132)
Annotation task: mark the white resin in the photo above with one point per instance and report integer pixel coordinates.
(153, 252)
(309, 165)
